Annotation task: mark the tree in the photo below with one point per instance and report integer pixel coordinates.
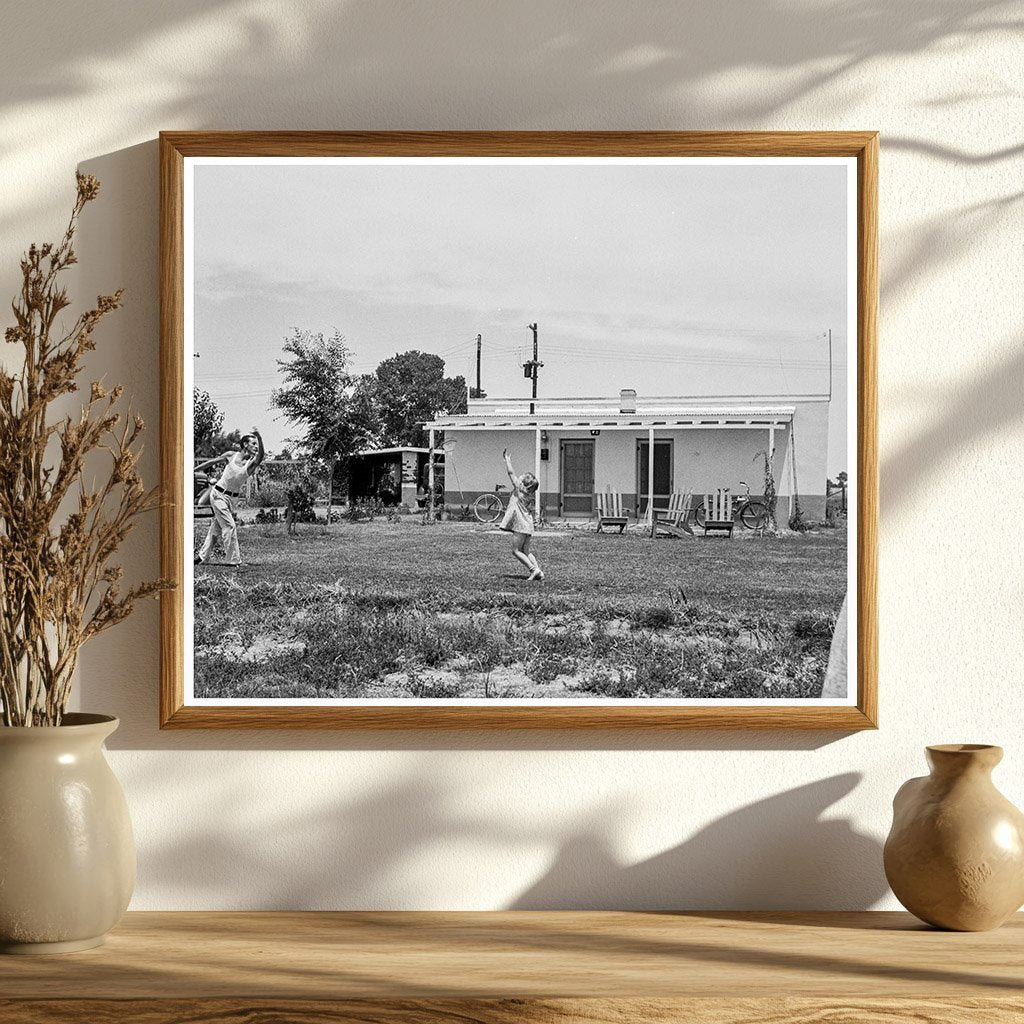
(220, 443)
(319, 394)
(408, 389)
(207, 419)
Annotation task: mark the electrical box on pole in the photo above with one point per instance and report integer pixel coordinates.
(531, 366)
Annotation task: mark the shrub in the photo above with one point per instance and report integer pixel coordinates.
(814, 630)
(433, 688)
(797, 522)
(368, 646)
(663, 670)
(337, 679)
(301, 502)
(270, 495)
(546, 668)
(653, 618)
(439, 512)
(603, 683)
(357, 511)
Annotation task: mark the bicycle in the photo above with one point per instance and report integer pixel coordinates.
(751, 512)
(489, 508)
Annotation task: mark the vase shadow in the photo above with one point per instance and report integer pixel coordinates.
(777, 854)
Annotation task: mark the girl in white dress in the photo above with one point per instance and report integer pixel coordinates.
(518, 518)
(239, 467)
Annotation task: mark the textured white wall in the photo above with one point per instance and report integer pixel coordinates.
(741, 820)
(614, 459)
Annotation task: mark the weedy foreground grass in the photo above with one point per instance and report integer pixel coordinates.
(405, 610)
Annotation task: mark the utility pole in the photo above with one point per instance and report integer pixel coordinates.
(531, 366)
(830, 364)
(478, 391)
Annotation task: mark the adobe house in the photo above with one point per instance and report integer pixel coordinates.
(645, 448)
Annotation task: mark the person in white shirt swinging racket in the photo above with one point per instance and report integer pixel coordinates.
(239, 467)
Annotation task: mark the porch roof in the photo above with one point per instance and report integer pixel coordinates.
(548, 417)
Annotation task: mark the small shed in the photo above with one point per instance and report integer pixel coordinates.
(397, 476)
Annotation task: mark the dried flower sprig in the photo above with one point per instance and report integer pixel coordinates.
(57, 586)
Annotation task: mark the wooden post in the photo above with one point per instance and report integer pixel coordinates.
(792, 472)
(430, 478)
(784, 470)
(536, 473)
(650, 481)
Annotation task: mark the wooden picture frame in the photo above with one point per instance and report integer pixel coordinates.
(179, 150)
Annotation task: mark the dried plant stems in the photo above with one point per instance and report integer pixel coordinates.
(58, 587)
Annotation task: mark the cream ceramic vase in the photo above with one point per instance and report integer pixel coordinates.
(955, 855)
(67, 856)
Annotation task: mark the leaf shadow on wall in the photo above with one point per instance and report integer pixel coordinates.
(987, 405)
(220, 64)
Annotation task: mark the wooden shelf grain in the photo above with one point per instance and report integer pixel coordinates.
(585, 967)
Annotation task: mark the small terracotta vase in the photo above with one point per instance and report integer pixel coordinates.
(955, 854)
(67, 855)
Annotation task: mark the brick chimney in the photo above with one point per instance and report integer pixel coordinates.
(627, 400)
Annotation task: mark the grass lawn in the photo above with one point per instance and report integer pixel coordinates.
(400, 609)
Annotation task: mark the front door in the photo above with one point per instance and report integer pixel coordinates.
(662, 473)
(577, 463)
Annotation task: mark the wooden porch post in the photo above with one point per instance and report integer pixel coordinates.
(792, 472)
(536, 473)
(650, 481)
(430, 478)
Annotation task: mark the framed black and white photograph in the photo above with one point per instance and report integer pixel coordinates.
(540, 430)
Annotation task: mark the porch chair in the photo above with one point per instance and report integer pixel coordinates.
(674, 520)
(718, 511)
(610, 510)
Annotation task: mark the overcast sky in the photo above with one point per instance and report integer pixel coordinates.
(682, 279)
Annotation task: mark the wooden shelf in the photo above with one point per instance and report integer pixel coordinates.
(424, 968)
